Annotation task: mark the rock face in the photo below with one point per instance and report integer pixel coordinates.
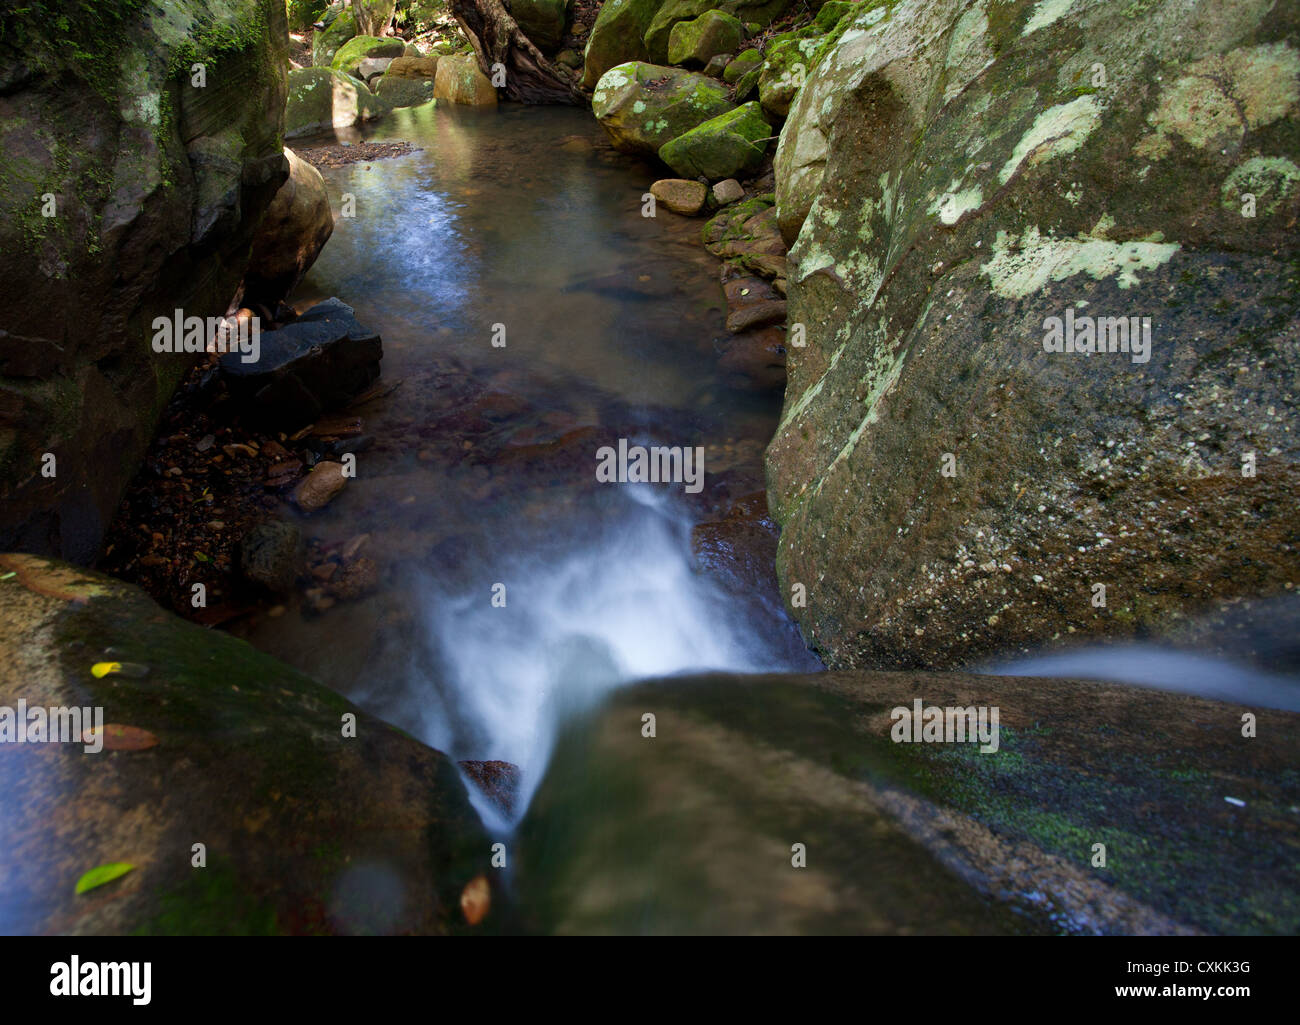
(618, 36)
(460, 80)
(918, 837)
(542, 21)
(643, 106)
(305, 368)
(315, 833)
(327, 42)
(954, 476)
(694, 43)
(291, 235)
(321, 99)
(729, 144)
(671, 12)
(409, 81)
(126, 192)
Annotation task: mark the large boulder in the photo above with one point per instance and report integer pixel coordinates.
(694, 43)
(409, 81)
(460, 80)
(321, 99)
(729, 144)
(976, 203)
(618, 36)
(784, 804)
(643, 106)
(291, 235)
(761, 12)
(327, 41)
(360, 48)
(542, 21)
(129, 188)
(311, 366)
(233, 787)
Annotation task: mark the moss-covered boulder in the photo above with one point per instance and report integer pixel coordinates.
(1052, 315)
(459, 80)
(760, 12)
(729, 144)
(542, 21)
(643, 106)
(357, 49)
(694, 43)
(327, 41)
(789, 60)
(404, 90)
(321, 99)
(741, 64)
(130, 186)
(618, 36)
(244, 797)
(783, 804)
(289, 237)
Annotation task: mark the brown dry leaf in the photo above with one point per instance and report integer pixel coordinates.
(476, 899)
(122, 738)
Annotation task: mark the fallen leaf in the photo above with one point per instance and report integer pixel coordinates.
(122, 738)
(107, 873)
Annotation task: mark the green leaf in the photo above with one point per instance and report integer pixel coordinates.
(103, 874)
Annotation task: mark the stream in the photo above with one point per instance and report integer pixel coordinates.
(476, 477)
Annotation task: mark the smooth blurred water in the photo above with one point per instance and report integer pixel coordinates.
(520, 217)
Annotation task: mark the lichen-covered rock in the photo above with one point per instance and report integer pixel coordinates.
(760, 12)
(542, 21)
(694, 43)
(314, 817)
(460, 80)
(726, 145)
(130, 186)
(322, 98)
(291, 235)
(790, 58)
(979, 203)
(643, 106)
(401, 91)
(746, 773)
(327, 41)
(618, 36)
(359, 48)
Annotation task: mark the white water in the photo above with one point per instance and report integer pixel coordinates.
(590, 611)
(1146, 665)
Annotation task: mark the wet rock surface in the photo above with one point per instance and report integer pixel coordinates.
(305, 830)
(693, 830)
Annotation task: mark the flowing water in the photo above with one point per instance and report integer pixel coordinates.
(476, 480)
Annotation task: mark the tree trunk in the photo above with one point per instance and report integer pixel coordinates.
(373, 16)
(497, 39)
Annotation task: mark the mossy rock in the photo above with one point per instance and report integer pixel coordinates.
(404, 91)
(302, 825)
(762, 12)
(642, 106)
(618, 36)
(322, 98)
(790, 59)
(740, 65)
(831, 13)
(357, 49)
(327, 42)
(459, 80)
(694, 43)
(722, 147)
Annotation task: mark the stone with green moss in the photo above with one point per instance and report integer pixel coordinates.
(790, 59)
(725, 146)
(695, 42)
(327, 43)
(953, 192)
(321, 99)
(358, 48)
(741, 64)
(304, 805)
(642, 106)
(617, 36)
(761, 12)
